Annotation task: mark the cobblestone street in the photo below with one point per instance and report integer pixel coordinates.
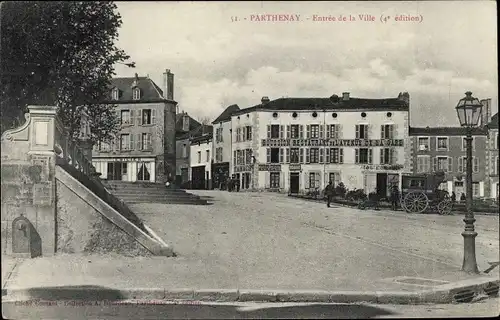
(290, 243)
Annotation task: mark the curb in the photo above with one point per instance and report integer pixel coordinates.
(463, 291)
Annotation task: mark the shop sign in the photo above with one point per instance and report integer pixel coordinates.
(243, 168)
(294, 167)
(269, 167)
(332, 143)
(382, 167)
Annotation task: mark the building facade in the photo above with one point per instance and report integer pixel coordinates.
(444, 149)
(296, 145)
(144, 148)
(201, 158)
(185, 127)
(222, 147)
(492, 159)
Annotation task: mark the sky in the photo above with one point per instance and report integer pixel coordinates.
(223, 53)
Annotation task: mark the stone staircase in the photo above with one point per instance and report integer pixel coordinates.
(150, 192)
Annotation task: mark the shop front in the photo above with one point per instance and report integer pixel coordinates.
(126, 169)
(220, 175)
(243, 174)
(381, 178)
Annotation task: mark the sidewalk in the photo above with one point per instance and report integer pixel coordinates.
(112, 277)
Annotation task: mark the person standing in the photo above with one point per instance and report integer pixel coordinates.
(453, 197)
(394, 197)
(329, 193)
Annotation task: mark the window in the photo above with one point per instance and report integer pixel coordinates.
(364, 155)
(462, 164)
(314, 180)
(475, 189)
(184, 151)
(442, 143)
(136, 95)
(146, 141)
(275, 180)
(199, 156)
(104, 146)
(495, 170)
(146, 116)
(218, 135)
(361, 131)
(442, 164)
(464, 144)
(238, 134)
(386, 156)
(314, 155)
(125, 117)
(315, 131)
(387, 131)
(115, 94)
(275, 131)
(335, 155)
(275, 155)
(497, 143)
(248, 133)
(423, 143)
(218, 154)
(333, 131)
(248, 156)
(294, 131)
(423, 164)
(125, 142)
(294, 155)
(208, 156)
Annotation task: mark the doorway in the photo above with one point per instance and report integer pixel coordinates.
(198, 177)
(294, 182)
(382, 185)
(459, 189)
(117, 171)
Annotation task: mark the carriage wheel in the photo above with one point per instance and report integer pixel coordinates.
(445, 206)
(416, 202)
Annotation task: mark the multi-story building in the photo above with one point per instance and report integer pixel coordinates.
(144, 148)
(222, 146)
(299, 144)
(185, 127)
(492, 158)
(444, 149)
(201, 158)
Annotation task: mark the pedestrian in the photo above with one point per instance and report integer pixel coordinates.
(329, 193)
(394, 197)
(453, 197)
(237, 182)
(462, 197)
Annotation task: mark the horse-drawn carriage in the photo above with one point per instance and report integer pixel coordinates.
(420, 192)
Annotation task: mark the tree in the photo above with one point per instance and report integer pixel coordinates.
(205, 120)
(60, 53)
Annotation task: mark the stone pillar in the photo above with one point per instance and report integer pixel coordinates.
(28, 177)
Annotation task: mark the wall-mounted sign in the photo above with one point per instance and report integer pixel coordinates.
(382, 167)
(294, 167)
(269, 167)
(332, 143)
(243, 168)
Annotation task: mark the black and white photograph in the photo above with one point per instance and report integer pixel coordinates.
(249, 160)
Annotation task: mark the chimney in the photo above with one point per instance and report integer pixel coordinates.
(264, 100)
(168, 85)
(185, 122)
(345, 96)
(404, 96)
(485, 117)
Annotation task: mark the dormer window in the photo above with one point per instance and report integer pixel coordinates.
(115, 94)
(136, 94)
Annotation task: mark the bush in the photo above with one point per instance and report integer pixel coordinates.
(356, 195)
(340, 190)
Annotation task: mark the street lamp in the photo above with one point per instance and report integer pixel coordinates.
(469, 112)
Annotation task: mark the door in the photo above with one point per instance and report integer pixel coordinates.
(184, 175)
(238, 181)
(294, 183)
(198, 177)
(382, 185)
(459, 189)
(392, 179)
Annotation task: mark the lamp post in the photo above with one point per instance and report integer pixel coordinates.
(469, 112)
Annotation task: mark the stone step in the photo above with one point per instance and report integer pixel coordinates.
(155, 197)
(169, 201)
(144, 190)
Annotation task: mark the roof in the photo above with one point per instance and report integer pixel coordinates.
(332, 103)
(202, 133)
(193, 124)
(150, 92)
(226, 114)
(494, 122)
(445, 131)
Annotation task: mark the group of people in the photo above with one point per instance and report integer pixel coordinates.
(230, 184)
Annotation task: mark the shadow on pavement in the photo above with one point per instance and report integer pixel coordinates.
(193, 311)
(95, 293)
